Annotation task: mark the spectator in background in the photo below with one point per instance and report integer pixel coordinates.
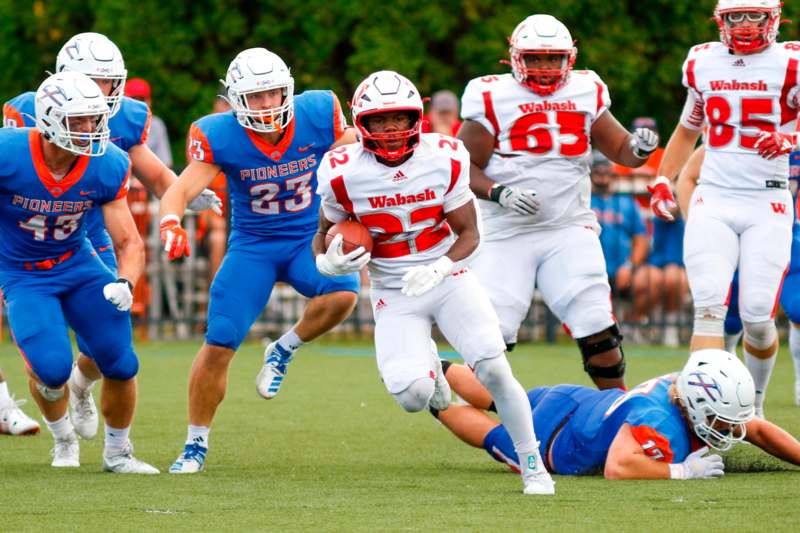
(624, 238)
(443, 116)
(157, 140)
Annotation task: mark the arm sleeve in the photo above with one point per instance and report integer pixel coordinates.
(339, 121)
(198, 147)
(11, 117)
(458, 192)
(655, 445)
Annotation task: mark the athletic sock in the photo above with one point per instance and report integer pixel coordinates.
(5, 397)
(116, 438)
(761, 370)
(198, 435)
(61, 428)
(289, 341)
(79, 379)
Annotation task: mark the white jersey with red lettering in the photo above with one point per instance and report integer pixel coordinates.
(737, 97)
(404, 207)
(542, 143)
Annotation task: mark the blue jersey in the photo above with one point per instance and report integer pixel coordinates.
(620, 221)
(43, 219)
(577, 425)
(129, 127)
(272, 186)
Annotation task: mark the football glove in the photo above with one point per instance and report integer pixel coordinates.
(698, 466)
(206, 200)
(119, 294)
(176, 242)
(335, 263)
(771, 144)
(643, 142)
(661, 199)
(522, 201)
(420, 279)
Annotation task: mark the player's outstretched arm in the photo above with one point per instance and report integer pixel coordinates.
(626, 459)
(469, 424)
(774, 440)
(679, 148)
(629, 149)
(127, 242)
(463, 382)
(687, 179)
(151, 171)
(194, 178)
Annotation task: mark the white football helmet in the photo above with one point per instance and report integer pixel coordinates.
(66, 95)
(744, 32)
(255, 70)
(718, 394)
(541, 34)
(98, 57)
(381, 92)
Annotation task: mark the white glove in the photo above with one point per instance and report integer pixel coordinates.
(334, 263)
(119, 294)
(420, 279)
(206, 200)
(522, 201)
(696, 466)
(644, 142)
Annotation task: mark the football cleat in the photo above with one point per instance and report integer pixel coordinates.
(66, 452)
(82, 412)
(122, 461)
(441, 392)
(536, 479)
(269, 380)
(14, 422)
(191, 461)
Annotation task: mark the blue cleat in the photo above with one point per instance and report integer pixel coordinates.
(269, 380)
(191, 461)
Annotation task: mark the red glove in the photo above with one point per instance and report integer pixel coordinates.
(771, 144)
(176, 242)
(661, 199)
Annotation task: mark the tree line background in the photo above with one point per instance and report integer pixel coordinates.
(183, 48)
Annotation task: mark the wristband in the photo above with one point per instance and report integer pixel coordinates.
(126, 282)
(170, 218)
(676, 471)
(495, 191)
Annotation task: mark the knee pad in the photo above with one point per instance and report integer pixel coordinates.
(124, 368)
(53, 374)
(492, 373)
(760, 335)
(221, 331)
(710, 321)
(590, 348)
(415, 398)
(50, 395)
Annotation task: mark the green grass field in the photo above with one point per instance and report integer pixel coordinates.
(335, 453)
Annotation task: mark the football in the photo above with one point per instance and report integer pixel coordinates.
(354, 234)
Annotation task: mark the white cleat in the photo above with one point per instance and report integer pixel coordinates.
(536, 479)
(123, 462)
(441, 392)
(14, 422)
(82, 412)
(66, 453)
(270, 378)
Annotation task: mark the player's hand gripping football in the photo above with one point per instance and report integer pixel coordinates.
(522, 201)
(661, 199)
(644, 142)
(771, 144)
(420, 279)
(698, 466)
(176, 242)
(336, 263)
(119, 294)
(206, 200)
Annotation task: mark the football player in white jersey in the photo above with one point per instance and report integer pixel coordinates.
(412, 191)
(745, 89)
(530, 135)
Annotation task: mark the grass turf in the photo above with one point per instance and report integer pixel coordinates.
(335, 453)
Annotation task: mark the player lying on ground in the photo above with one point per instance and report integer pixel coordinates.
(412, 191)
(98, 57)
(657, 430)
(51, 177)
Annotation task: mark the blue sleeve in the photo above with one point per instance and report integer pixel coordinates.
(324, 111)
(131, 124)
(20, 111)
(657, 432)
(211, 139)
(114, 175)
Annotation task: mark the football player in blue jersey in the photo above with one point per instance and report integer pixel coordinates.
(760, 360)
(660, 429)
(269, 147)
(99, 58)
(51, 177)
